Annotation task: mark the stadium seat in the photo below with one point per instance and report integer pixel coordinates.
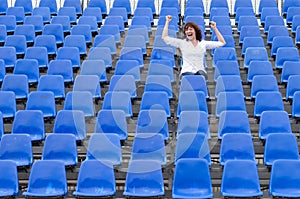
(191, 100)
(76, 41)
(4, 6)
(69, 53)
(123, 83)
(42, 100)
(61, 67)
(99, 4)
(163, 53)
(192, 179)
(240, 184)
(18, 83)
(9, 55)
(224, 54)
(230, 101)
(38, 53)
(123, 3)
(155, 101)
(94, 11)
(258, 84)
(252, 42)
(149, 146)
(255, 53)
(144, 11)
(289, 68)
(29, 122)
(286, 54)
(118, 100)
(69, 12)
(119, 11)
(2, 70)
(74, 3)
(64, 21)
(44, 12)
(89, 20)
(194, 83)
(195, 3)
(281, 41)
(218, 3)
(226, 67)
(8, 105)
(48, 41)
(44, 173)
(9, 21)
(94, 67)
(103, 53)
(292, 86)
(170, 4)
(54, 83)
(243, 11)
(147, 4)
(18, 12)
(295, 24)
(217, 12)
(228, 83)
(153, 121)
(248, 31)
(28, 67)
(9, 183)
(106, 41)
(259, 68)
(295, 105)
(3, 34)
(227, 125)
(136, 41)
(97, 176)
(70, 121)
(62, 147)
(28, 31)
(18, 42)
(88, 83)
(17, 148)
(161, 69)
(80, 100)
(272, 20)
(268, 11)
(280, 146)
(51, 4)
(159, 83)
(111, 30)
(144, 178)
(84, 30)
(193, 11)
(246, 21)
(262, 102)
(37, 21)
(265, 4)
(105, 147)
(115, 20)
(132, 53)
(230, 42)
(139, 30)
(128, 67)
(237, 146)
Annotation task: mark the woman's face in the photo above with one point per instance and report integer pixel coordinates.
(190, 33)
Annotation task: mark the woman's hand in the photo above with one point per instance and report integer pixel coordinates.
(213, 24)
(168, 18)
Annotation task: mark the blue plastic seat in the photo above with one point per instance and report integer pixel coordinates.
(156, 100)
(228, 83)
(259, 68)
(268, 11)
(247, 21)
(38, 53)
(9, 184)
(265, 4)
(295, 24)
(144, 11)
(56, 30)
(69, 53)
(97, 176)
(281, 41)
(136, 41)
(191, 146)
(80, 100)
(163, 53)
(218, 3)
(62, 147)
(123, 83)
(102, 53)
(171, 30)
(2, 70)
(48, 41)
(193, 122)
(149, 146)
(289, 68)
(44, 173)
(258, 84)
(273, 122)
(118, 100)
(287, 4)
(44, 12)
(230, 101)
(76, 41)
(3, 33)
(230, 42)
(224, 20)
(105, 147)
(99, 4)
(286, 54)
(170, 4)
(74, 3)
(84, 30)
(1, 125)
(196, 177)
(173, 23)
(194, 83)
(291, 12)
(123, 3)
(280, 146)
(37, 21)
(115, 20)
(69, 12)
(240, 184)
(94, 67)
(159, 83)
(217, 11)
(255, 53)
(193, 11)
(249, 31)
(144, 178)
(94, 11)
(295, 105)
(18, 42)
(142, 21)
(224, 54)
(8, 105)
(51, 4)
(262, 102)
(17, 148)
(29, 122)
(284, 179)
(88, 83)
(243, 11)
(292, 86)
(64, 21)
(54, 83)
(106, 41)
(237, 146)
(153, 121)
(119, 11)
(191, 100)
(9, 21)
(90, 21)
(3, 7)
(29, 67)
(272, 20)
(42, 100)
(161, 69)
(70, 121)
(18, 12)
(28, 31)
(128, 67)
(61, 67)
(111, 30)
(9, 55)
(195, 3)
(132, 53)
(233, 122)
(242, 3)
(252, 42)
(147, 4)
(139, 30)
(226, 67)
(18, 83)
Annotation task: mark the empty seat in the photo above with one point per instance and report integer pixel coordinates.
(4, 6)
(55, 30)
(240, 184)
(42, 100)
(247, 21)
(102, 53)
(255, 53)
(119, 11)
(249, 31)
(64, 21)
(69, 53)
(224, 54)
(94, 11)
(16, 148)
(112, 121)
(18, 42)
(44, 173)
(128, 67)
(194, 83)
(144, 11)
(191, 100)
(51, 4)
(27, 31)
(139, 30)
(84, 30)
(153, 121)
(258, 84)
(136, 41)
(218, 3)
(295, 105)
(94, 67)
(243, 11)
(99, 4)
(272, 20)
(280, 146)
(268, 11)
(115, 20)
(287, 4)
(265, 4)
(230, 101)
(292, 86)
(156, 100)
(28, 67)
(74, 3)
(9, 55)
(144, 178)
(163, 53)
(62, 147)
(228, 83)
(2, 70)
(106, 41)
(159, 83)
(192, 146)
(38, 53)
(9, 21)
(226, 67)
(217, 12)
(37, 21)
(18, 83)
(286, 54)
(16, 11)
(105, 147)
(295, 24)
(147, 4)
(259, 68)
(263, 99)
(142, 20)
(1, 125)
(237, 146)
(61, 67)
(29, 122)
(88, 83)
(90, 21)
(54, 83)
(48, 41)
(80, 100)
(69, 12)
(227, 125)
(123, 83)
(111, 30)
(9, 179)
(118, 100)
(196, 177)
(123, 3)
(281, 41)
(252, 42)
(44, 12)
(70, 121)
(8, 105)
(132, 53)
(276, 30)
(97, 176)
(161, 69)
(289, 68)
(274, 122)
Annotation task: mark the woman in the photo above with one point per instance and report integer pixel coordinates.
(193, 48)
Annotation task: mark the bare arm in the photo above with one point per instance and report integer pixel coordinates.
(166, 27)
(220, 37)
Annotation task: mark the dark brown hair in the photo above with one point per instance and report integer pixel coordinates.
(195, 27)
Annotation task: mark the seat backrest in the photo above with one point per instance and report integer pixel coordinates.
(128, 67)
(286, 54)
(249, 31)
(161, 69)
(111, 30)
(259, 86)
(103, 53)
(55, 29)
(228, 83)
(94, 11)
(226, 67)
(123, 83)
(84, 30)
(27, 30)
(273, 20)
(36, 20)
(259, 68)
(74, 3)
(100, 4)
(156, 100)
(39, 53)
(106, 41)
(255, 53)
(132, 53)
(18, 83)
(61, 67)
(51, 4)
(115, 20)
(263, 99)
(54, 83)
(80, 100)
(8, 105)
(18, 42)
(70, 53)
(88, 83)
(94, 67)
(252, 42)
(191, 100)
(156, 83)
(281, 41)
(9, 21)
(76, 41)
(48, 41)
(119, 11)
(9, 55)
(194, 83)
(29, 67)
(44, 12)
(26, 4)
(230, 101)
(265, 4)
(119, 100)
(69, 12)
(89, 20)
(17, 11)
(292, 86)
(9, 178)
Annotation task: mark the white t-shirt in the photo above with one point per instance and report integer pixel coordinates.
(192, 56)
